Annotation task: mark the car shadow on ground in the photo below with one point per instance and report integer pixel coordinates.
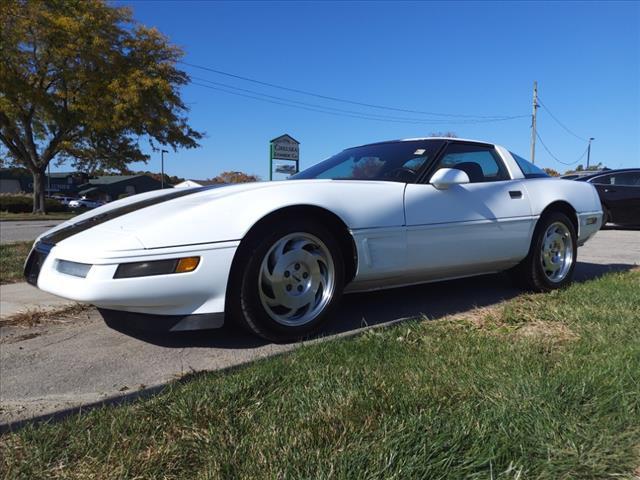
(428, 301)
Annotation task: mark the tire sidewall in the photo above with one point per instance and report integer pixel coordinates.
(249, 304)
(538, 273)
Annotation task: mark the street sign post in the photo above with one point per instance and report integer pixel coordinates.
(284, 147)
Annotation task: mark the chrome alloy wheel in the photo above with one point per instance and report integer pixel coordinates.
(296, 279)
(556, 252)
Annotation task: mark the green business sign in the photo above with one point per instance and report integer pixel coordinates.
(285, 149)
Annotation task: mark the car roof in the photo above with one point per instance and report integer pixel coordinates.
(417, 139)
(586, 178)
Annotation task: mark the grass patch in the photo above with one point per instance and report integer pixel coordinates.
(461, 398)
(12, 258)
(8, 216)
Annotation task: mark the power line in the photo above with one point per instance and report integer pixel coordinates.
(559, 122)
(313, 105)
(359, 114)
(352, 102)
(556, 158)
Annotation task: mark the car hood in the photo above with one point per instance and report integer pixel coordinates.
(223, 213)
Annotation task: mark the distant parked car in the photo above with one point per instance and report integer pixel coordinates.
(84, 203)
(582, 173)
(619, 192)
(63, 200)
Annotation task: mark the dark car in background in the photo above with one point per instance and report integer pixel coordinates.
(619, 192)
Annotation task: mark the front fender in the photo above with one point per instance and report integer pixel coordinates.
(230, 217)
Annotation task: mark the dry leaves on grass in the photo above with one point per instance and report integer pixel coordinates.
(31, 318)
(546, 330)
(490, 320)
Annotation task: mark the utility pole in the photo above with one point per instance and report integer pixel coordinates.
(162, 152)
(533, 122)
(589, 151)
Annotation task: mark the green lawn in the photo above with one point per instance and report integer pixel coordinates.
(545, 386)
(12, 258)
(7, 216)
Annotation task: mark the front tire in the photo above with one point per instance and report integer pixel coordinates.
(552, 256)
(287, 280)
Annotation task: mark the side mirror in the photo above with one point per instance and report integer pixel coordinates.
(445, 177)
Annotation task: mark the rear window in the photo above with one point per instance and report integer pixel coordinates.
(528, 169)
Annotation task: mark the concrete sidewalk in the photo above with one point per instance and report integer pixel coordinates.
(21, 297)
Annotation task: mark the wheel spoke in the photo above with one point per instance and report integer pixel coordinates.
(553, 267)
(267, 276)
(298, 301)
(278, 252)
(301, 243)
(270, 301)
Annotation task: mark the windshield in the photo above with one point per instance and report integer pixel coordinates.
(393, 161)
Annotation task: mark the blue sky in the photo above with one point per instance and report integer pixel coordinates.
(475, 58)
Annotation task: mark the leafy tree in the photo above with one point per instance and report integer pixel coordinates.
(551, 172)
(598, 166)
(580, 168)
(81, 81)
(235, 177)
(443, 134)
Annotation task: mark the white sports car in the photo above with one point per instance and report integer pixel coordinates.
(276, 256)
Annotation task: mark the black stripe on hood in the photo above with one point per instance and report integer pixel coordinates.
(90, 222)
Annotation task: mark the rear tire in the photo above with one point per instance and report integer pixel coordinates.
(552, 256)
(287, 280)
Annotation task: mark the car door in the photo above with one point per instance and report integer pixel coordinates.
(478, 227)
(620, 194)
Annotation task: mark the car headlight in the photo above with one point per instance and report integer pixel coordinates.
(157, 267)
(75, 269)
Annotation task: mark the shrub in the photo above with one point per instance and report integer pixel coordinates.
(24, 204)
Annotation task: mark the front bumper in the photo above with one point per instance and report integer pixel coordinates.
(201, 291)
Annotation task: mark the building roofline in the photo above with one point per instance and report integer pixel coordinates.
(284, 135)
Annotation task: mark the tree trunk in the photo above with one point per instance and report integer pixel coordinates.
(38, 190)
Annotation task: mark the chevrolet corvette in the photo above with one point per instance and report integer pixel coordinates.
(277, 256)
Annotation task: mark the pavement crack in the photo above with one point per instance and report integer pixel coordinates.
(58, 341)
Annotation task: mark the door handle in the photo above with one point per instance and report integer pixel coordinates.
(515, 193)
(609, 190)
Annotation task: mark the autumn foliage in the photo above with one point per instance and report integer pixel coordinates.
(81, 81)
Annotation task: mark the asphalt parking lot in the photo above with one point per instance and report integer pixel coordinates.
(24, 231)
(69, 362)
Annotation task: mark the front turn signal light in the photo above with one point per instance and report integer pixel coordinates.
(157, 267)
(187, 264)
